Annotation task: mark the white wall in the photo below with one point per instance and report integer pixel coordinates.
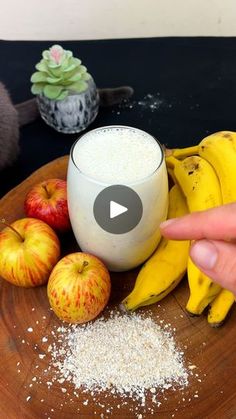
(101, 19)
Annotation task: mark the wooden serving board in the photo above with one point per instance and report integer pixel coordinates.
(24, 392)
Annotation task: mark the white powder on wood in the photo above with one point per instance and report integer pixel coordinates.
(128, 353)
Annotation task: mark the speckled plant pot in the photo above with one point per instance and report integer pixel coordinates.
(73, 114)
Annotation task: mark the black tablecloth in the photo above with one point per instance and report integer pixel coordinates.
(185, 88)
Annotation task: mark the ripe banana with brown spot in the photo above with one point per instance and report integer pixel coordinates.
(201, 187)
(202, 289)
(220, 307)
(219, 149)
(166, 267)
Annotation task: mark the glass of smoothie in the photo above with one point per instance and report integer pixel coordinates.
(117, 155)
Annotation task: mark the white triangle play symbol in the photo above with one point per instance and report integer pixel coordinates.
(116, 209)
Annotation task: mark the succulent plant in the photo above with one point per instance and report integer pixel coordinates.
(59, 73)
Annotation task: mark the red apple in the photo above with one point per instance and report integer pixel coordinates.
(29, 249)
(78, 288)
(47, 201)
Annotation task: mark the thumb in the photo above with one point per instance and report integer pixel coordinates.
(217, 259)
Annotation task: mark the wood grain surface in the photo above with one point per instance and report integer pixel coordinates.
(24, 389)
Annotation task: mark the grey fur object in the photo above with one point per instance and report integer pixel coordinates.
(9, 129)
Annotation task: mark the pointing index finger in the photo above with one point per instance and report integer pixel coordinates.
(215, 224)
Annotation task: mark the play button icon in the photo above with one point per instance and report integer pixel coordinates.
(117, 209)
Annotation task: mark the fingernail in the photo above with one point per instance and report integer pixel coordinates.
(204, 254)
(167, 223)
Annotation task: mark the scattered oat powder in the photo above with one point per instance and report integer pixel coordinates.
(150, 101)
(127, 354)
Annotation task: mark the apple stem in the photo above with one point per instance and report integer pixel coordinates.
(3, 221)
(45, 187)
(85, 263)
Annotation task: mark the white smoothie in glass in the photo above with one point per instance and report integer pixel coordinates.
(117, 155)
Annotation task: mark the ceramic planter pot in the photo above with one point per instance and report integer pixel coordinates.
(72, 114)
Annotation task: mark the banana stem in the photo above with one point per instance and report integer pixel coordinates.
(168, 151)
(182, 153)
(171, 174)
(171, 162)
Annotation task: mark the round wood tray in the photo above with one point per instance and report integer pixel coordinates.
(24, 391)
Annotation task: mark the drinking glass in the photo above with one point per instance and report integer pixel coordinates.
(120, 252)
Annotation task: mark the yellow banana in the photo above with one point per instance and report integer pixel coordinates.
(201, 188)
(166, 267)
(198, 182)
(219, 149)
(182, 153)
(220, 307)
(171, 176)
(202, 289)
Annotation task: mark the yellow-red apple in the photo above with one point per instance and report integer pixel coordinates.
(47, 201)
(79, 287)
(29, 249)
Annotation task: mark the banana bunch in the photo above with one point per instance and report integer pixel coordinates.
(200, 186)
(166, 267)
(217, 151)
(204, 177)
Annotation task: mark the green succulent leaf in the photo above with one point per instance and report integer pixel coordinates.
(78, 86)
(75, 77)
(86, 76)
(65, 64)
(41, 66)
(68, 74)
(46, 55)
(37, 89)
(38, 77)
(54, 80)
(52, 92)
(82, 69)
(53, 64)
(55, 72)
(76, 61)
(62, 95)
(59, 73)
(70, 68)
(68, 53)
(65, 83)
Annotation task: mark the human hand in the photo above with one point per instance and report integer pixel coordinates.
(214, 248)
